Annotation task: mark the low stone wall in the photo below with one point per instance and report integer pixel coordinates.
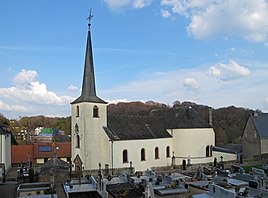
(106, 172)
(131, 171)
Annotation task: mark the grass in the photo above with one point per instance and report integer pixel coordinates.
(249, 168)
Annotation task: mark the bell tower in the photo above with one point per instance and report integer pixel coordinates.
(90, 144)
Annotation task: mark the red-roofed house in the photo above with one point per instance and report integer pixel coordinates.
(45, 150)
(41, 152)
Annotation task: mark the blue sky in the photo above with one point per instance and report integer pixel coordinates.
(210, 52)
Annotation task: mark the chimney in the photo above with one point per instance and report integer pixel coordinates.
(210, 116)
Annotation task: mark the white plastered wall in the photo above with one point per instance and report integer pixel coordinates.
(191, 144)
(264, 146)
(5, 153)
(225, 156)
(94, 143)
(8, 152)
(134, 147)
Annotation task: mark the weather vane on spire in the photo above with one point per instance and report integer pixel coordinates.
(89, 18)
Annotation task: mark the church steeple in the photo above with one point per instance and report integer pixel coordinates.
(88, 87)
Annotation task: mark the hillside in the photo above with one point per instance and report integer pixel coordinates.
(228, 122)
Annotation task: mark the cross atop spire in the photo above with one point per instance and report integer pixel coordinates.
(89, 18)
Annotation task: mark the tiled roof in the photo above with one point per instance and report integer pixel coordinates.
(235, 147)
(49, 132)
(132, 127)
(261, 123)
(19, 153)
(55, 162)
(223, 150)
(64, 149)
(126, 127)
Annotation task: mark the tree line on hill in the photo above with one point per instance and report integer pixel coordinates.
(228, 122)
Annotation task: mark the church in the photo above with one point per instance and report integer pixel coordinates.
(143, 142)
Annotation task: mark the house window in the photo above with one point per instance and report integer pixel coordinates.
(125, 160)
(207, 151)
(77, 141)
(143, 154)
(77, 111)
(255, 134)
(95, 112)
(156, 153)
(168, 151)
(44, 148)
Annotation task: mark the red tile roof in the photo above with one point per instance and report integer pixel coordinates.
(64, 149)
(20, 152)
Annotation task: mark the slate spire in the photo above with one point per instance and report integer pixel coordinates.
(88, 87)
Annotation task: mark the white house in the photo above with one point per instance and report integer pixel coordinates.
(5, 145)
(166, 137)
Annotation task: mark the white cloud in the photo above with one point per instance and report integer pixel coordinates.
(27, 89)
(229, 71)
(115, 101)
(185, 7)
(232, 49)
(165, 13)
(118, 5)
(244, 18)
(245, 91)
(7, 107)
(73, 88)
(191, 83)
(141, 3)
(214, 71)
(24, 77)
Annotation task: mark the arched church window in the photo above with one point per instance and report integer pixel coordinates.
(77, 111)
(143, 154)
(125, 157)
(95, 112)
(156, 153)
(168, 151)
(207, 151)
(77, 141)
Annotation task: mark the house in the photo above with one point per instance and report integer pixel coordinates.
(255, 136)
(5, 147)
(49, 135)
(45, 151)
(22, 135)
(40, 152)
(170, 138)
